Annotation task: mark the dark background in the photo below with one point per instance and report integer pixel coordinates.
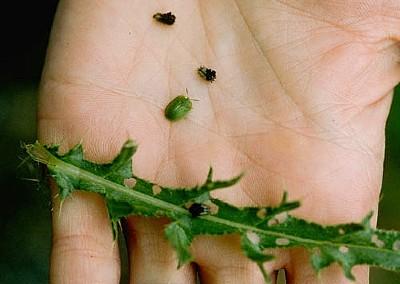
(24, 209)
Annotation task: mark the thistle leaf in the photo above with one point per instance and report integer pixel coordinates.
(250, 243)
(259, 227)
(179, 235)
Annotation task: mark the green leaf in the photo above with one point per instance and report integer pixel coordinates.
(121, 167)
(250, 243)
(116, 211)
(181, 196)
(180, 237)
(64, 184)
(259, 227)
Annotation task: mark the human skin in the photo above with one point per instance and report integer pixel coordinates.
(300, 102)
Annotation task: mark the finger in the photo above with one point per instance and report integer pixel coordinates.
(300, 271)
(151, 256)
(83, 249)
(221, 261)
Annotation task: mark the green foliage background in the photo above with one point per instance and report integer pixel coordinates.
(25, 230)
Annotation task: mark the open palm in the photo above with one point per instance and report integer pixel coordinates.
(300, 102)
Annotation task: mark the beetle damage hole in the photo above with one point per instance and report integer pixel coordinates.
(130, 182)
(282, 242)
(253, 237)
(156, 189)
(376, 241)
(396, 245)
(262, 213)
(213, 208)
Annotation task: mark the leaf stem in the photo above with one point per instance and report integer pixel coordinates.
(106, 187)
(267, 279)
(42, 155)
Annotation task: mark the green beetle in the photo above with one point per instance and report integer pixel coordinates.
(178, 108)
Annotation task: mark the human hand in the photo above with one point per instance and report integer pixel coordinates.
(300, 102)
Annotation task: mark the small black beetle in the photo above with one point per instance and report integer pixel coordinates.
(197, 209)
(207, 73)
(165, 18)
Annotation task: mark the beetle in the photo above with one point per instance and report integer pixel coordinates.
(207, 73)
(197, 209)
(165, 18)
(178, 108)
